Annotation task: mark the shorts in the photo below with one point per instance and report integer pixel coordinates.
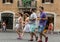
(27, 28)
(32, 27)
(41, 28)
(19, 27)
(4, 26)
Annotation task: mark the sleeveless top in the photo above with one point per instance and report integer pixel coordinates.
(20, 20)
(27, 20)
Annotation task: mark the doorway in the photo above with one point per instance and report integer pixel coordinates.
(51, 18)
(8, 18)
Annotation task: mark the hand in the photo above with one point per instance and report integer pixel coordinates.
(30, 19)
(38, 18)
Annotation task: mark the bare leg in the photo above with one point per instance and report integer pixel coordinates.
(23, 33)
(44, 35)
(35, 36)
(46, 38)
(40, 39)
(31, 34)
(18, 32)
(41, 36)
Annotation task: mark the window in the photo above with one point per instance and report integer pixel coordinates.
(26, 3)
(47, 1)
(29, 3)
(7, 1)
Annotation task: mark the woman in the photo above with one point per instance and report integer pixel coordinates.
(50, 27)
(19, 26)
(4, 26)
(27, 26)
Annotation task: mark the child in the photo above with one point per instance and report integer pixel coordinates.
(19, 26)
(4, 26)
(50, 27)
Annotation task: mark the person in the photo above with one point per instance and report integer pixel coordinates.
(50, 27)
(4, 26)
(19, 26)
(27, 26)
(38, 15)
(42, 24)
(32, 19)
(46, 29)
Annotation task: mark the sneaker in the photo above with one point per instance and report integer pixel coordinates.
(40, 41)
(31, 40)
(36, 38)
(46, 39)
(19, 38)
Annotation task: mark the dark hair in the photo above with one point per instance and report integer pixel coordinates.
(41, 7)
(27, 14)
(33, 10)
(21, 14)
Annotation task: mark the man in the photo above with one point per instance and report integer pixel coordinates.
(42, 24)
(33, 26)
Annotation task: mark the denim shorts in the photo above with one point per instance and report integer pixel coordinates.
(41, 28)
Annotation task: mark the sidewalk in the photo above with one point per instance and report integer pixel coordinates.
(10, 30)
(12, 37)
(7, 30)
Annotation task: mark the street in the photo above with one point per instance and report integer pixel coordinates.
(12, 37)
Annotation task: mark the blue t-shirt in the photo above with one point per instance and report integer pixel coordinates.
(43, 22)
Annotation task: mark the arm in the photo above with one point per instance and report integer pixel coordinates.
(27, 19)
(44, 18)
(34, 18)
(20, 20)
(5, 24)
(38, 18)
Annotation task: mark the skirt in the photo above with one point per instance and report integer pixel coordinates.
(19, 27)
(27, 28)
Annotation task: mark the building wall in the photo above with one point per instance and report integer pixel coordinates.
(9, 7)
(53, 7)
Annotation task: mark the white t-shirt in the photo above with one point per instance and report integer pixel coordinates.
(33, 16)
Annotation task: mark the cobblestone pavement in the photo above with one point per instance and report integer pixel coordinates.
(12, 37)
